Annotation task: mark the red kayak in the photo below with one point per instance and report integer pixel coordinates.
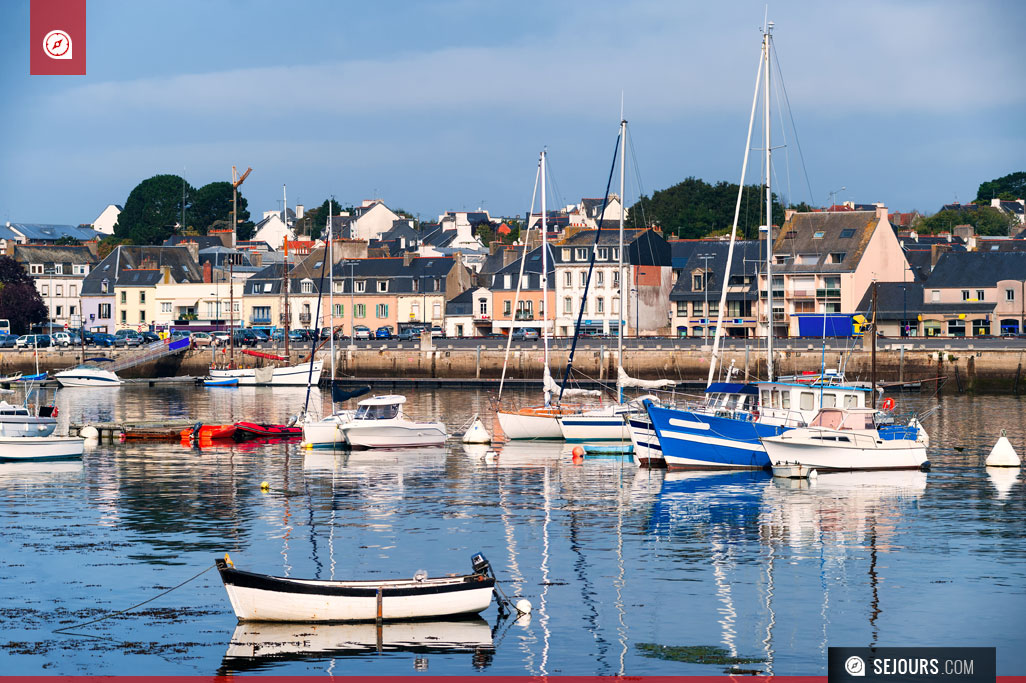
(202, 431)
(252, 430)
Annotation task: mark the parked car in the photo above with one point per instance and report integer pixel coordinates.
(410, 333)
(103, 339)
(361, 332)
(437, 331)
(262, 337)
(245, 337)
(128, 338)
(202, 339)
(525, 334)
(278, 336)
(296, 336)
(383, 332)
(61, 339)
(150, 337)
(7, 341)
(33, 341)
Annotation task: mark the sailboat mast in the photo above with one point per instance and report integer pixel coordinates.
(285, 269)
(545, 282)
(331, 291)
(619, 266)
(769, 201)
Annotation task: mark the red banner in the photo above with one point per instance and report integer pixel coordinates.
(57, 38)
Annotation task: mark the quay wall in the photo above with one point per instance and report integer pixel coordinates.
(983, 371)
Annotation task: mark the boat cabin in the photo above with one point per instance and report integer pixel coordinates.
(795, 404)
(731, 399)
(836, 418)
(379, 408)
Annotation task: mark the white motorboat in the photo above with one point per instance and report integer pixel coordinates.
(23, 448)
(848, 439)
(87, 376)
(379, 422)
(20, 421)
(286, 375)
(259, 597)
(326, 432)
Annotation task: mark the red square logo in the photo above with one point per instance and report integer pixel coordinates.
(57, 38)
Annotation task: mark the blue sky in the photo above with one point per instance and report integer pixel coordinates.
(446, 104)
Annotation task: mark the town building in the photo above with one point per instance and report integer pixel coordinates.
(695, 298)
(58, 273)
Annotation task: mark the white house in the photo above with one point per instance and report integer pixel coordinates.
(371, 220)
(108, 217)
(273, 230)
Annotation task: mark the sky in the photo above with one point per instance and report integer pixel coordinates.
(445, 105)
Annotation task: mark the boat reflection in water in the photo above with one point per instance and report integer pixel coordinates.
(16, 474)
(521, 453)
(261, 646)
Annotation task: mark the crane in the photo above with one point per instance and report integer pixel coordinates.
(237, 180)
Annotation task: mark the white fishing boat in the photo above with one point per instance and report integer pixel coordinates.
(260, 597)
(24, 448)
(379, 422)
(25, 420)
(285, 375)
(87, 376)
(848, 439)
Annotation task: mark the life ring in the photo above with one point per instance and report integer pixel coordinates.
(54, 413)
(755, 416)
(888, 404)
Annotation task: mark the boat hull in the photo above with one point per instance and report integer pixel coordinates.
(25, 448)
(691, 440)
(257, 597)
(251, 430)
(647, 451)
(326, 433)
(79, 377)
(26, 425)
(599, 427)
(530, 423)
(874, 454)
(289, 376)
(366, 434)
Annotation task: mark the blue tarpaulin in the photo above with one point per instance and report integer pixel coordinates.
(829, 325)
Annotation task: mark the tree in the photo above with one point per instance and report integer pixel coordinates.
(213, 202)
(153, 209)
(107, 244)
(1007, 188)
(19, 301)
(694, 208)
(315, 220)
(986, 220)
(67, 241)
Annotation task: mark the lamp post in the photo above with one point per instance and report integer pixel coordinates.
(833, 195)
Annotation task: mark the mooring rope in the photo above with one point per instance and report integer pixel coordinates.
(129, 609)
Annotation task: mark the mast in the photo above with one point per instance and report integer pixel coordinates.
(872, 329)
(545, 285)
(769, 200)
(619, 266)
(231, 311)
(285, 270)
(331, 292)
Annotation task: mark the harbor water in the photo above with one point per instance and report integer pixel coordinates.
(637, 572)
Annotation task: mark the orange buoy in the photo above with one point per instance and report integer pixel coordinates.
(578, 451)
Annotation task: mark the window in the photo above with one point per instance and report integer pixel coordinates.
(566, 254)
(360, 310)
(262, 313)
(615, 253)
(829, 401)
(416, 285)
(682, 308)
(267, 287)
(956, 328)
(361, 286)
(482, 307)
(698, 282)
(806, 400)
(979, 294)
(507, 308)
(165, 306)
(60, 311)
(847, 233)
(382, 285)
(616, 278)
(581, 255)
(833, 307)
(339, 311)
(568, 305)
(935, 295)
(851, 401)
(804, 306)
(600, 305)
(1009, 295)
(583, 278)
(714, 308)
(58, 269)
(211, 310)
(339, 286)
(142, 296)
(837, 257)
(142, 317)
(698, 308)
(381, 311)
(104, 287)
(965, 295)
(80, 269)
(35, 269)
(790, 234)
(437, 285)
(72, 290)
(603, 254)
(59, 290)
(525, 281)
(124, 317)
(507, 282)
(415, 311)
(568, 279)
(235, 307)
(616, 305)
(46, 290)
(306, 287)
(103, 311)
(818, 235)
(436, 311)
(600, 278)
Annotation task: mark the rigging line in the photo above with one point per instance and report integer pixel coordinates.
(129, 609)
(520, 278)
(591, 268)
(794, 126)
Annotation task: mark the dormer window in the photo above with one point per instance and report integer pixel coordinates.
(35, 269)
(361, 286)
(698, 282)
(340, 286)
(382, 285)
(105, 287)
(306, 286)
(566, 254)
(837, 257)
(582, 254)
(603, 254)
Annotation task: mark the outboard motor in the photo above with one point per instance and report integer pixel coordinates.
(481, 565)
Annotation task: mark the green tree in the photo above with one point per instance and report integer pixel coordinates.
(1007, 188)
(314, 221)
(986, 220)
(19, 301)
(694, 208)
(153, 209)
(107, 244)
(212, 203)
(67, 241)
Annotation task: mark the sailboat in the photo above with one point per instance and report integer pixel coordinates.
(535, 422)
(298, 374)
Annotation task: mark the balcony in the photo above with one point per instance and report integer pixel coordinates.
(524, 315)
(260, 319)
(482, 317)
(828, 293)
(304, 318)
(802, 293)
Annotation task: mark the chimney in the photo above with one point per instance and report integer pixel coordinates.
(165, 274)
(408, 256)
(299, 211)
(256, 258)
(881, 212)
(788, 213)
(193, 250)
(935, 253)
(207, 272)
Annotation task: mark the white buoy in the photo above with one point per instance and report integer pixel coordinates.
(523, 605)
(476, 450)
(1003, 479)
(477, 432)
(89, 432)
(1002, 454)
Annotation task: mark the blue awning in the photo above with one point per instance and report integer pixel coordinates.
(731, 388)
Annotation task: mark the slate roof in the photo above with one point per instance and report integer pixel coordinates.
(8, 234)
(49, 255)
(43, 232)
(893, 300)
(747, 261)
(977, 269)
(425, 270)
(681, 250)
(798, 236)
(201, 241)
(1001, 245)
(123, 267)
(532, 270)
(642, 247)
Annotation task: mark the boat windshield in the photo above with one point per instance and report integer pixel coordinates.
(377, 412)
(838, 419)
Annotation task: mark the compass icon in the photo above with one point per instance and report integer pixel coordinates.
(57, 44)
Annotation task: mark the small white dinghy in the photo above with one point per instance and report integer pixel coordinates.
(259, 597)
(793, 470)
(24, 448)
